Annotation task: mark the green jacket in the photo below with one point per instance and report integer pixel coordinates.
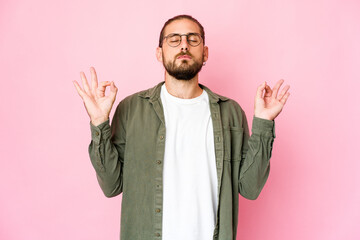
(128, 158)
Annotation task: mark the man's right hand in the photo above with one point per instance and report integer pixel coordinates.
(98, 106)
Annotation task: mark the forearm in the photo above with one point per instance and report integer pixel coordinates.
(255, 166)
(105, 159)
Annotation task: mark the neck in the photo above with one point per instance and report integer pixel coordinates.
(185, 89)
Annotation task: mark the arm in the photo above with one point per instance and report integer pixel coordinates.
(107, 142)
(256, 150)
(106, 152)
(255, 157)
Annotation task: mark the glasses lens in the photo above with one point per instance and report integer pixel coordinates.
(194, 39)
(173, 40)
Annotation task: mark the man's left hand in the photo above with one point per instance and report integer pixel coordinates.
(268, 105)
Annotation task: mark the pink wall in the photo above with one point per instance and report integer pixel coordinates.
(48, 187)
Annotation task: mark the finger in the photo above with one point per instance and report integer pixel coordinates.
(276, 87)
(94, 80)
(284, 99)
(268, 91)
(113, 90)
(260, 90)
(79, 89)
(85, 83)
(100, 91)
(283, 92)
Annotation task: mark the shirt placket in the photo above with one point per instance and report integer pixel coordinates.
(219, 154)
(160, 150)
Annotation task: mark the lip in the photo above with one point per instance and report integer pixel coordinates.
(184, 57)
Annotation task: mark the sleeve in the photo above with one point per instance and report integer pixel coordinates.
(106, 152)
(255, 156)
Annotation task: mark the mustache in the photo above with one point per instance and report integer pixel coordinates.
(183, 53)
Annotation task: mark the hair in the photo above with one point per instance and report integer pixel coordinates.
(179, 17)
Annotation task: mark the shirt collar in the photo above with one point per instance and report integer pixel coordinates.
(154, 93)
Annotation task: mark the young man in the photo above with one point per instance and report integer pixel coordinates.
(178, 152)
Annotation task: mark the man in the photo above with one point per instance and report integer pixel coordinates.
(178, 152)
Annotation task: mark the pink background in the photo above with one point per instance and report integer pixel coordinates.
(48, 186)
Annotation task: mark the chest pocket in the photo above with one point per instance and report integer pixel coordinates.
(233, 139)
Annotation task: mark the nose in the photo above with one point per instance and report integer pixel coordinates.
(184, 44)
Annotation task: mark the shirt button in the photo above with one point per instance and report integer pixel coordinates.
(158, 162)
(97, 133)
(157, 210)
(161, 137)
(157, 234)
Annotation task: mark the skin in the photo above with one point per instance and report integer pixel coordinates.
(178, 88)
(268, 102)
(98, 106)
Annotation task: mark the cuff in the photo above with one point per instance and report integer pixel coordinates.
(99, 132)
(263, 126)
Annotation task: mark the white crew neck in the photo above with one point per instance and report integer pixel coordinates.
(183, 100)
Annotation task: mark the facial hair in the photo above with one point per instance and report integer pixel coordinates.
(184, 71)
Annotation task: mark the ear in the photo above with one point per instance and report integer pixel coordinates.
(159, 54)
(206, 53)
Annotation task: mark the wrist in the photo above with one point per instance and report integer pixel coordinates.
(98, 121)
(264, 117)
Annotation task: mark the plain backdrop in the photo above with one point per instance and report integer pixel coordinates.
(48, 188)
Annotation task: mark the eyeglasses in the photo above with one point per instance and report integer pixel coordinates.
(174, 39)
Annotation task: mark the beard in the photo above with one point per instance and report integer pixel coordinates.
(184, 71)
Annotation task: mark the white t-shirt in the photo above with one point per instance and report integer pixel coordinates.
(189, 178)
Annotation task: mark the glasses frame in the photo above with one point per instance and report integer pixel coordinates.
(187, 38)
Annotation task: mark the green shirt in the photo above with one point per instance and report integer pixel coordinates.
(128, 158)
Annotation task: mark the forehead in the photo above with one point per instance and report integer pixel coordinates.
(182, 26)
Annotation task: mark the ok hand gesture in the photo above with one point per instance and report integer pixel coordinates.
(270, 104)
(98, 106)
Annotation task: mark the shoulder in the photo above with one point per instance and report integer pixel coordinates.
(231, 103)
(221, 99)
(231, 109)
(231, 112)
(224, 101)
(150, 93)
(140, 98)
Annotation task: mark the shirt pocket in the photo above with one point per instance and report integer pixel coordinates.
(233, 139)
